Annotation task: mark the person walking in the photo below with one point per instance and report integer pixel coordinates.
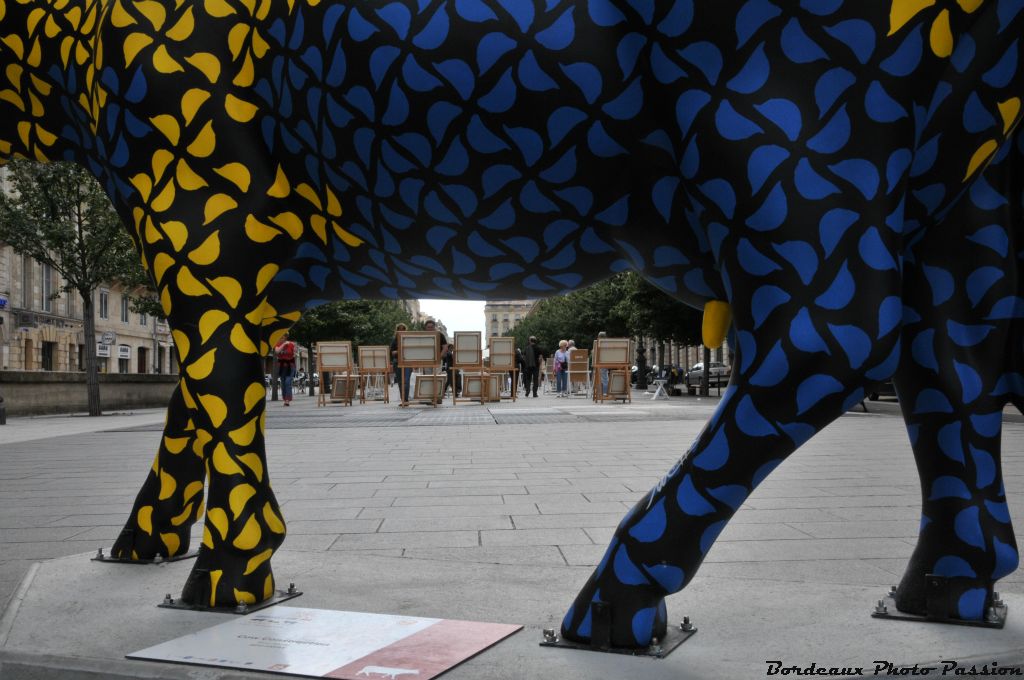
(284, 350)
(533, 359)
(403, 380)
(604, 371)
(561, 368)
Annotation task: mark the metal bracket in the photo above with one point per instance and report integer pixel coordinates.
(159, 559)
(940, 608)
(241, 609)
(658, 649)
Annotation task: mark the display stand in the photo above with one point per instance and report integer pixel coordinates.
(612, 355)
(421, 350)
(503, 363)
(373, 372)
(344, 388)
(579, 371)
(549, 375)
(335, 357)
(468, 360)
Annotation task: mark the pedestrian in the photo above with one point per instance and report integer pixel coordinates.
(533, 359)
(604, 371)
(284, 350)
(403, 380)
(561, 368)
(442, 343)
(449, 371)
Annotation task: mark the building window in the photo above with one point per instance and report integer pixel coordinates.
(47, 288)
(143, 319)
(104, 302)
(49, 352)
(69, 303)
(124, 308)
(494, 317)
(26, 282)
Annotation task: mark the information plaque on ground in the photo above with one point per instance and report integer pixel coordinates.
(321, 643)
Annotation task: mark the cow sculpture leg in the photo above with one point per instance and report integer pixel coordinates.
(171, 499)
(243, 523)
(803, 370)
(961, 365)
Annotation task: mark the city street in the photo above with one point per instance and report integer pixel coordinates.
(498, 513)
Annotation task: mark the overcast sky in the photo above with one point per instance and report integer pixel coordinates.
(457, 315)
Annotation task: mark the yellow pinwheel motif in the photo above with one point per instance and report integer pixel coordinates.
(940, 34)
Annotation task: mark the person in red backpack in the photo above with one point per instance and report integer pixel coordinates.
(285, 353)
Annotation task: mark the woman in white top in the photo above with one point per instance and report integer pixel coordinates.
(561, 368)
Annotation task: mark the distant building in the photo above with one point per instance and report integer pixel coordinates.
(40, 332)
(41, 327)
(501, 316)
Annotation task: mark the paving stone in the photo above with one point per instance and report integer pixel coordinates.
(526, 555)
(435, 501)
(849, 571)
(406, 539)
(553, 508)
(447, 524)
(535, 537)
(582, 521)
(861, 529)
(450, 511)
(333, 526)
(808, 549)
(747, 515)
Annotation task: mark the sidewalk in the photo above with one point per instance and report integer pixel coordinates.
(498, 513)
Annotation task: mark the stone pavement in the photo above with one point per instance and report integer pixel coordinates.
(498, 513)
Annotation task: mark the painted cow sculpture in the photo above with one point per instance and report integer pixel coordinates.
(843, 173)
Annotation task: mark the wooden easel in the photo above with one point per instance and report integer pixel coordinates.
(373, 372)
(422, 350)
(579, 370)
(335, 357)
(503, 361)
(613, 355)
(468, 367)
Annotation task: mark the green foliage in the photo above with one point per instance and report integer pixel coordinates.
(60, 216)
(364, 322)
(624, 305)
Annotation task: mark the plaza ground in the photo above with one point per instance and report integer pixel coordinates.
(492, 513)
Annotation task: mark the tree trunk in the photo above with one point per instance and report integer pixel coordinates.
(92, 373)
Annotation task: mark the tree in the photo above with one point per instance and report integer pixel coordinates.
(59, 215)
(625, 305)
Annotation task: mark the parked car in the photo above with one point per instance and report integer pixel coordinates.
(719, 375)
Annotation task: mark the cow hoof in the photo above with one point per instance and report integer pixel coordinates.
(621, 625)
(233, 581)
(963, 599)
(135, 544)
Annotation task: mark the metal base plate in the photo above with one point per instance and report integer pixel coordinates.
(101, 557)
(995, 619)
(673, 638)
(242, 609)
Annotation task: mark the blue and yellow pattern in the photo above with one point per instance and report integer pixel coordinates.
(840, 172)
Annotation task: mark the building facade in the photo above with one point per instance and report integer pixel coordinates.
(41, 326)
(501, 316)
